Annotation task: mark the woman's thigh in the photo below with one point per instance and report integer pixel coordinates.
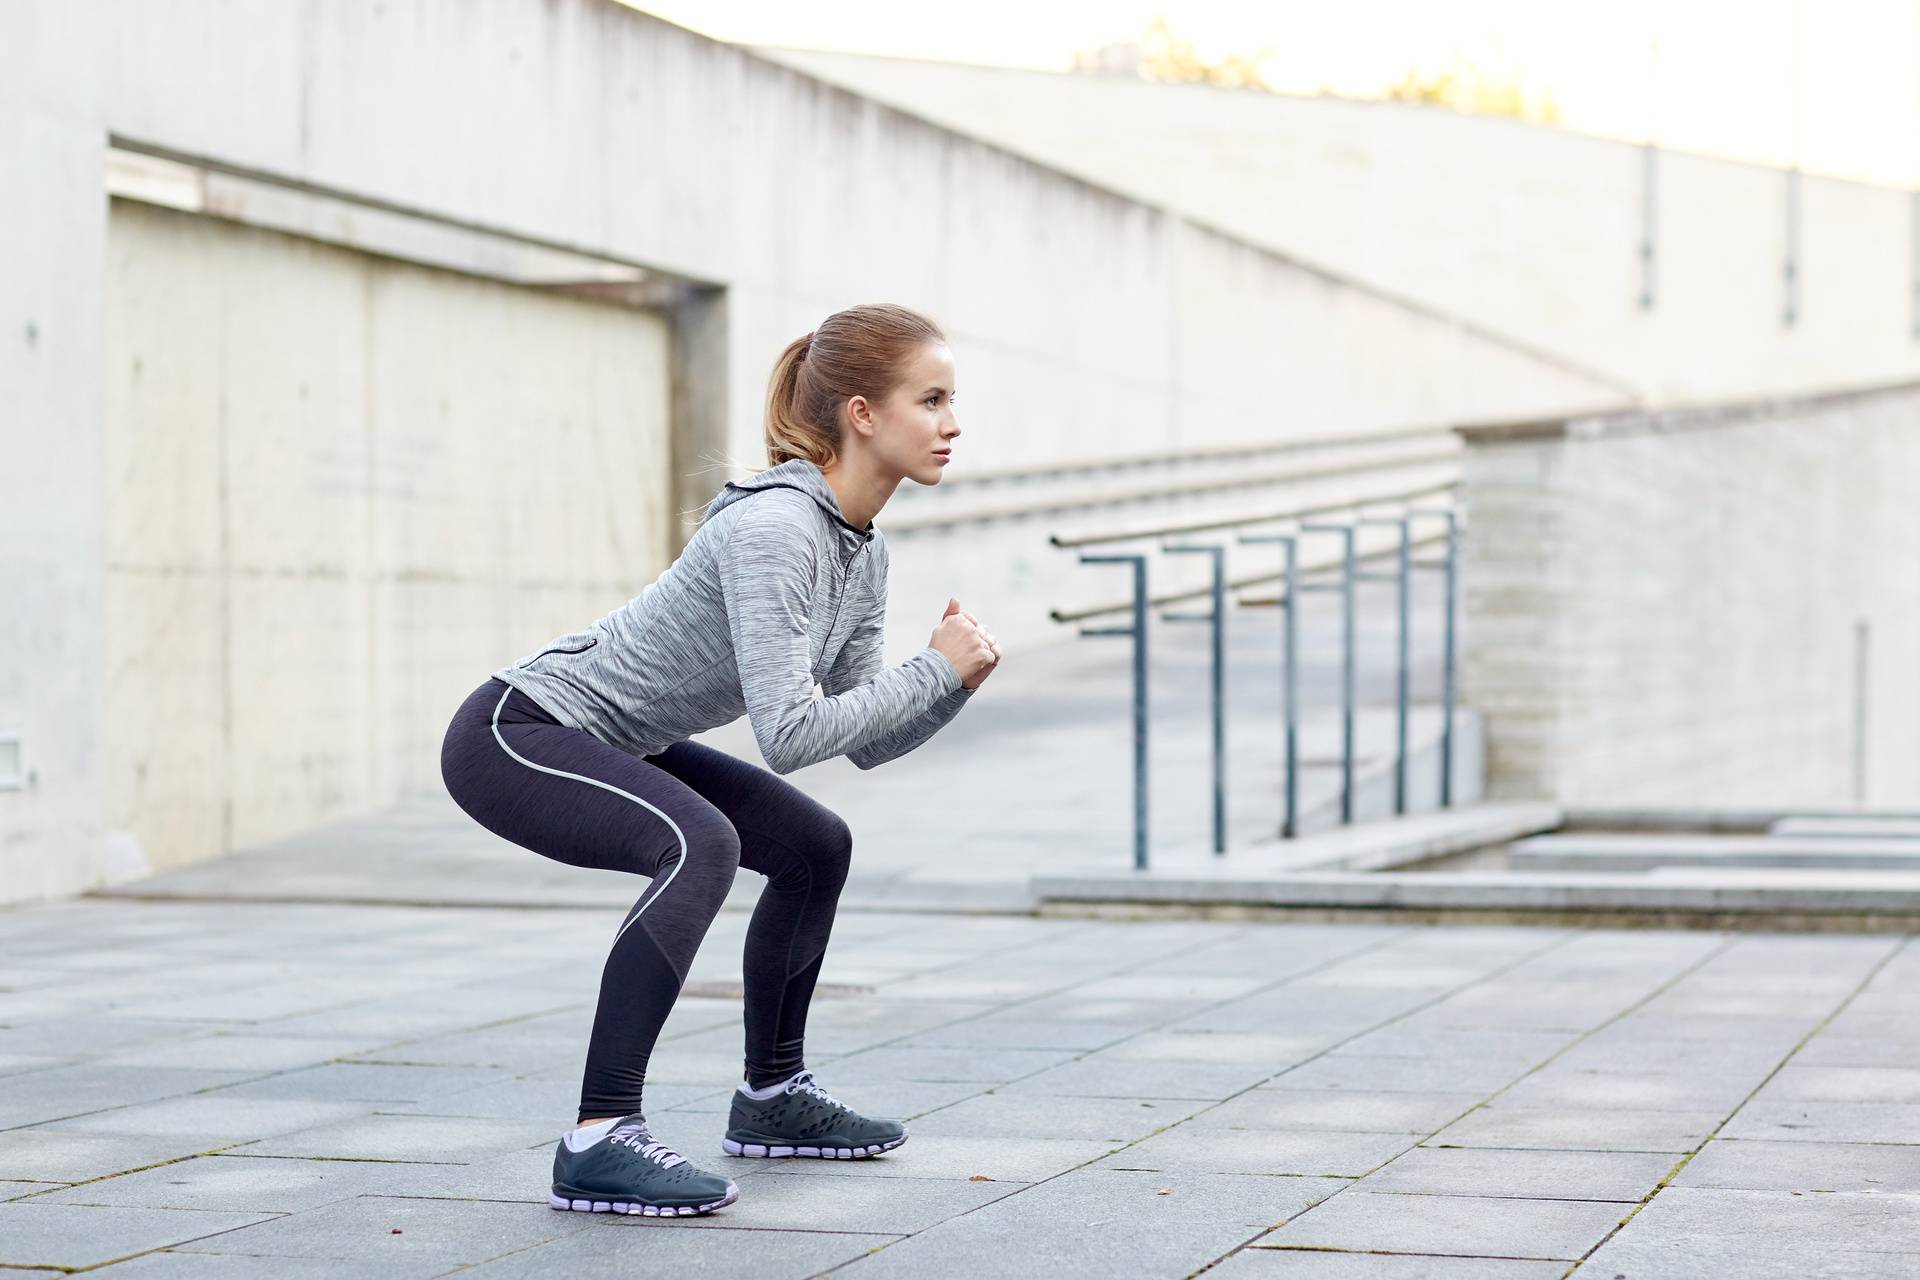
(566, 795)
(778, 823)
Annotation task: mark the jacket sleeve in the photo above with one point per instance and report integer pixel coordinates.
(860, 661)
(768, 579)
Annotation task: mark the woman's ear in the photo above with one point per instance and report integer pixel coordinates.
(860, 415)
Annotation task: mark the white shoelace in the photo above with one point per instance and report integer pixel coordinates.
(637, 1137)
(804, 1083)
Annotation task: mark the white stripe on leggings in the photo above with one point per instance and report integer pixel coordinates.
(660, 886)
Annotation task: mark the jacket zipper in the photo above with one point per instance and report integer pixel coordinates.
(846, 583)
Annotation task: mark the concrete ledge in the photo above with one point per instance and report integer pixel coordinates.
(1866, 827)
(1748, 821)
(1683, 890)
(1647, 852)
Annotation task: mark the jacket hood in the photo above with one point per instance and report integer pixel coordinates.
(794, 473)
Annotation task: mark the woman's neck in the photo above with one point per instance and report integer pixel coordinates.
(860, 490)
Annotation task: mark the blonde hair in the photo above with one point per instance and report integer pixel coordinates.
(857, 352)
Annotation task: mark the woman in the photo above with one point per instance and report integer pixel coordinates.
(580, 751)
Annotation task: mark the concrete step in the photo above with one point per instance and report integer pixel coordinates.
(1828, 896)
(1864, 827)
(1610, 852)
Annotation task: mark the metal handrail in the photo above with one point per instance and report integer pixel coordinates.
(1237, 584)
(1289, 513)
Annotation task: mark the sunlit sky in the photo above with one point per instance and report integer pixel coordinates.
(1714, 76)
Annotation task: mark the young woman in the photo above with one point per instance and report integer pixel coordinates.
(580, 751)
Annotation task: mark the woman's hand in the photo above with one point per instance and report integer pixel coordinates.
(968, 645)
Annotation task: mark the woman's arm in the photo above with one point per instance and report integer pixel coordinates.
(861, 661)
(767, 576)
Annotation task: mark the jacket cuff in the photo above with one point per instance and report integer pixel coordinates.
(950, 677)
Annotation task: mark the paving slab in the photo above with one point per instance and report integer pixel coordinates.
(38, 1234)
(1100, 1224)
(1843, 1084)
(635, 1247)
(1471, 1226)
(998, 1159)
(1700, 1231)
(1275, 1152)
(241, 1184)
(1366, 1073)
(1794, 1121)
(1528, 1127)
(1560, 1088)
(1342, 1109)
(211, 1119)
(1257, 1263)
(1624, 1176)
(60, 1093)
(385, 1136)
(377, 1230)
(52, 1154)
(167, 1264)
(1748, 1164)
(1037, 1115)
(1099, 1076)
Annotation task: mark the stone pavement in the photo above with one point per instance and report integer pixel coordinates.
(325, 1089)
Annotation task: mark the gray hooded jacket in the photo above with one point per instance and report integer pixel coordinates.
(774, 592)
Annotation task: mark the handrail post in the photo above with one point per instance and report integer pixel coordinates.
(1289, 672)
(1347, 699)
(1448, 660)
(1139, 633)
(1219, 620)
(1402, 578)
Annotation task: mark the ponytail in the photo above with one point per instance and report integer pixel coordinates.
(857, 352)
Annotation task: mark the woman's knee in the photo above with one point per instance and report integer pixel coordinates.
(831, 850)
(711, 854)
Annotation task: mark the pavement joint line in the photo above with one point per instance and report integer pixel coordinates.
(1399, 935)
(1686, 1159)
(268, 1216)
(1479, 1195)
(119, 1173)
(1402, 1253)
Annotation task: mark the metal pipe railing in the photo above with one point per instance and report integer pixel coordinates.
(1218, 617)
(1139, 633)
(1289, 601)
(1289, 673)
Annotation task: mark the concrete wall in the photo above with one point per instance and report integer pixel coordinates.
(1531, 232)
(322, 529)
(1660, 608)
(1083, 320)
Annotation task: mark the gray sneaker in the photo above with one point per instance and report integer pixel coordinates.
(627, 1171)
(804, 1120)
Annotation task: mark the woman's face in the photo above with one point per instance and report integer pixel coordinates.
(914, 426)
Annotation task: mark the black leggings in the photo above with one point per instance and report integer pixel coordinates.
(685, 817)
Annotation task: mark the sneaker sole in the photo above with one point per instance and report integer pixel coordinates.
(757, 1150)
(583, 1204)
